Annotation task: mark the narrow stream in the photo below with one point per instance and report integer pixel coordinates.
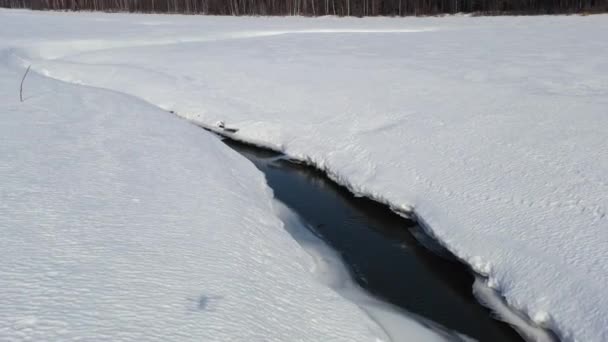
(380, 249)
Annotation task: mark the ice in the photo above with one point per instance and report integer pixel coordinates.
(492, 130)
(121, 222)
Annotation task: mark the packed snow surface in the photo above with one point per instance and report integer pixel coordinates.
(122, 222)
(493, 130)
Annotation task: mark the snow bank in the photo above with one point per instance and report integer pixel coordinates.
(492, 129)
(122, 222)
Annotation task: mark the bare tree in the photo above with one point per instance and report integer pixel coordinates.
(320, 7)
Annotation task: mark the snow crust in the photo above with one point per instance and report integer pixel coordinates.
(494, 130)
(121, 222)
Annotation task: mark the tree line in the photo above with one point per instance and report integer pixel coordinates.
(319, 7)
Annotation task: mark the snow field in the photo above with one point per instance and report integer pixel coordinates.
(122, 222)
(492, 129)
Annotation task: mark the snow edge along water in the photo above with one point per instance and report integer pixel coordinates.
(484, 293)
(484, 288)
(390, 323)
(331, 270)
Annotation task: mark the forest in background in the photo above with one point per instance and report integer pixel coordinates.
(320, 7)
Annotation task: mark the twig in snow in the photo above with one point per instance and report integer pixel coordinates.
(23, 80)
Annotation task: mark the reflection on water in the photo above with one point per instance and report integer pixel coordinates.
(380, 249)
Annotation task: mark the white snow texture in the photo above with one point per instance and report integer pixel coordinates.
(122, 222)
(494, 130)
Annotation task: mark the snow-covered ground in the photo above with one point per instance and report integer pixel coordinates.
(122, 222)
(493, 130)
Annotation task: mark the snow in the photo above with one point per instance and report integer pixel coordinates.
(489, 297)
(492, 129)
(121, 222)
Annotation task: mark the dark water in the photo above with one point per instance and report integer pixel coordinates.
(380, 249)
